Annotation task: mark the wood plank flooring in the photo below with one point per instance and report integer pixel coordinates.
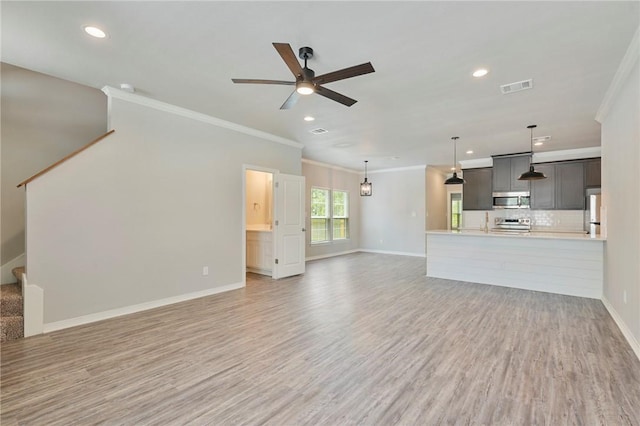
(359, 339)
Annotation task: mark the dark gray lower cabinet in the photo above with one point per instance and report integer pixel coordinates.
(476, 192)
(543, 192)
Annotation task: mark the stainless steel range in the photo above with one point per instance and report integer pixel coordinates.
(503, 224)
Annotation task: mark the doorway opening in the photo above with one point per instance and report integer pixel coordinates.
(259, 212)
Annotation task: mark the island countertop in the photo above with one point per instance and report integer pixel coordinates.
(530, 235)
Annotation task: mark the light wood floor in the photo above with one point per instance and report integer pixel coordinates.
(359, 339)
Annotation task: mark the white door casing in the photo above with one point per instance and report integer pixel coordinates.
(289, 241)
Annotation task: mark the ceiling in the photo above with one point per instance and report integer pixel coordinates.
(422, 93)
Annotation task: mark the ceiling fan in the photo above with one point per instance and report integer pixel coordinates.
(306, 81)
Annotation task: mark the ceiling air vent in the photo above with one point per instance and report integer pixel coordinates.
(318, 131)
(516, 87)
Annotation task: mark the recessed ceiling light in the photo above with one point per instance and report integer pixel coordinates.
(309, 118)
(95, 32)
(539, 143)
(453, 169)
(470, 152)
(481, 72)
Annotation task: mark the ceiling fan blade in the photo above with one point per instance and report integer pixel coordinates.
(291, 100)
(335, 96)
(253, 81)
(344, 73)
(289, 58)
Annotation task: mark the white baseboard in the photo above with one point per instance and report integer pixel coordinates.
(324, 256)
(5, 270)
(398, 253)
(112, 313)
(622, 326)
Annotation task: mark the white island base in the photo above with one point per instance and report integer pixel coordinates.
(555, 263)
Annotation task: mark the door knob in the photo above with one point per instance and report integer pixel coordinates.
(304, 230)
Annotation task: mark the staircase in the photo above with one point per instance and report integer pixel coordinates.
(12, 308)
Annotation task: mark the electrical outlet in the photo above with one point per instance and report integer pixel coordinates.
(205, 271)
(624, 296)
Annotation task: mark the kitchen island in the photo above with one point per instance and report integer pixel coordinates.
(553, 262)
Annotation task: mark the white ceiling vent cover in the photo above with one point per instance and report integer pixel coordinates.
(516, 87)
(318, 131)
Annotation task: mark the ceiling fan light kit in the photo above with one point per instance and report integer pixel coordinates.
(306, 81)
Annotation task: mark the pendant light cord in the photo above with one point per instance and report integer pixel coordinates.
(455, 158)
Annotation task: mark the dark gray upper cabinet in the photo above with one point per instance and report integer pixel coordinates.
(543, 192)
(569, 186)
(592, 171)
(506, 171)
(519, 165)
(476, 192)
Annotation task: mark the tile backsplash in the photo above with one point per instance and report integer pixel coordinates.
(541, 220)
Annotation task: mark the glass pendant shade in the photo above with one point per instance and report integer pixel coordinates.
(365, 187)
(531, 174)
(454, 180)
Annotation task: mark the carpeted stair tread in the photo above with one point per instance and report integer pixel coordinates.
(12, 308)
(11, 328)
(11, 300)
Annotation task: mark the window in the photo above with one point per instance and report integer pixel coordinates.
(319, 215)
(456, 210)
(329, 215)
(340, 215)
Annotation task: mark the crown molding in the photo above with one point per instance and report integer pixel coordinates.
(476, 163)
(114, 93)
(328, 166)
(566, 154)
(398, 169)
(626, 65)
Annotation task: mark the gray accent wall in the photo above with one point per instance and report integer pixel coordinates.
(621, 195)
(43, 119)
(136, 217)
(393, 218)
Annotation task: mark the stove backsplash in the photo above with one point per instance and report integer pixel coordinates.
(541, 220)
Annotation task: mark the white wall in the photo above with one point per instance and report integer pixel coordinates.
(332, 177)
(43, 119)
(135, 218)
(436, 199)
(259, 199)
(621, 194)
(393, 218)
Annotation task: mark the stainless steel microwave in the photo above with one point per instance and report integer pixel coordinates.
(511, 200)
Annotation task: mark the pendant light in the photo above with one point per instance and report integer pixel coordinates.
(454, 180)
(532, 174)
(365, 187)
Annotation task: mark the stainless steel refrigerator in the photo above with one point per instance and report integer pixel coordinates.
(592, 212)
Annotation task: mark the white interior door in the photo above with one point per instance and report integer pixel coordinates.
(289, 226)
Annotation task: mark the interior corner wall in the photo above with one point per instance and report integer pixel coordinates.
(43, 119)
(393, 217)
(621, 196)
(436, 199)
(135, 218)
(331, 178)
